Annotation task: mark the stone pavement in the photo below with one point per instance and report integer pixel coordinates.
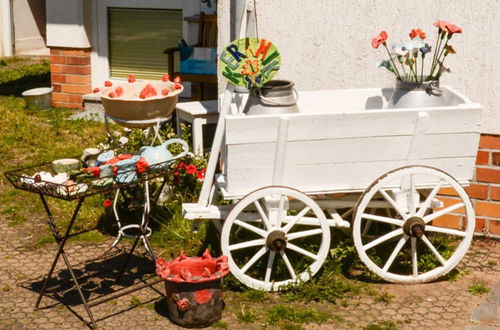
(439, 305)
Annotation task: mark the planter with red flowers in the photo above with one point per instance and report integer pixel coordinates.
(417, 84)
(140, 104)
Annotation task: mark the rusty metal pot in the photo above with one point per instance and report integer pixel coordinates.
(194, 288)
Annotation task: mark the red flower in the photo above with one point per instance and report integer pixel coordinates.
(112, 95)
(147, 91)
(165, 92)
(119, 91)
(417, 33)
(108, 83)
(131, 78)
(379, 40)
(191, 169)
(177, 86)
(176, 173)
(181, 165)
(200, 175)
(177, 79)
(107, 203)
(96, 90)
(165, 78)
(442, 25)
(452, 28)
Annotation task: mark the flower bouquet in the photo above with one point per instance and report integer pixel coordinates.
(406, 60)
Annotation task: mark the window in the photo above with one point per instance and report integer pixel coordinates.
(137, 38)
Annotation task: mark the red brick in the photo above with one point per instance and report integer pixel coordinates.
(77, 89)
(55, 51)
(56, 88)
(76, 69)
(72, 98)
(57, 59)
(447, 221)
(59, 97)
(448, 191)
(488, 209)
(58, 78)
(495, 158)
(494, 227)
(477, 191)
(59, 104)
(449, 201)
(483, 157)
(77, 79)
(56, 68)
(489, 142)
(480, 225)
(78, 60)
(74, 51)
(488, 175)
(495, 193)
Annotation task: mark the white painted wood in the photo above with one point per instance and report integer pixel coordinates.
(363, 243)
(280, 151)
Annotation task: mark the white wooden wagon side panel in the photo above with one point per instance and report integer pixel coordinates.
(347, 150)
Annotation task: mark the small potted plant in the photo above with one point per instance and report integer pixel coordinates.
(407, 62)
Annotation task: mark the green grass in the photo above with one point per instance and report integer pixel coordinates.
(479, 289)
(246, 315)
(291, 317)
(135, 301)
(220, 324)
(383, 325)
(255, 295)
(18, 74)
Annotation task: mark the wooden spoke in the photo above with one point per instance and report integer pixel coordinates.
(254, 259)
(446, 231)
(288, 265)
(433, 249)
(304, 233)
(439, 213)
(281, 206)
(263, 215)
(428, 201)
(301, 251)
(383, 238)
(394, 253)
(244, 245)
(393, 204)
(411, 203)
(379, 218)
(251, 228)
(414, 259)
(269, 267)
(299, 216)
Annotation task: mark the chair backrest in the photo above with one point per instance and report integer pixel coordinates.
(207, 31)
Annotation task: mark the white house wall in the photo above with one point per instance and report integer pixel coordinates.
(66, 21)
(326, 44)
(29, 24)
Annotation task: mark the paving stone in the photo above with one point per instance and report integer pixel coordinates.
(487, 313)
(494, 296)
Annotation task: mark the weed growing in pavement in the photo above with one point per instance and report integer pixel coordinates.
(135, 301)
(384, 297)
(290, 317)
(478, 289)
(246, 315)
(383, 325)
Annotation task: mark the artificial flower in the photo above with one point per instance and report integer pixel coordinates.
(380, 39)
(448, 49)
(131, 78)
(452, 28)
(191, 169)
(177, 80)
(426, 49)
(417, 33)
(386, 64)
(400, 50)
(107, 202)
(96, 90)
(108, 83)
(165, 78)
(442, 25)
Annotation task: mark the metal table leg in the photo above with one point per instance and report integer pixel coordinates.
(61, 241)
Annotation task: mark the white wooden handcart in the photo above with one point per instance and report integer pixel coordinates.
(343, 161)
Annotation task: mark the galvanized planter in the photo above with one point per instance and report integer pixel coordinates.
(194, 288)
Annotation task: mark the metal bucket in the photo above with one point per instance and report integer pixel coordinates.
(194, 288)
(39, 98)
(275, 97)
(416, 95)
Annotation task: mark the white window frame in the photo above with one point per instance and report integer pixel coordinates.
(100, 70)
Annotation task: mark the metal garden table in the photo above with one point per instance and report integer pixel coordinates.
(79, 191)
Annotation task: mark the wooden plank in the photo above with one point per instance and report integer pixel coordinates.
(251, 129)
(369, 149)
(355, 176)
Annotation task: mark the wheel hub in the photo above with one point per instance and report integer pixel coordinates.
(276, 241)
(414, 227)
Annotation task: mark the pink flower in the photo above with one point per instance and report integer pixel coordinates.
(442, 25)
(379, 40)
(452, 28)
(177, 80)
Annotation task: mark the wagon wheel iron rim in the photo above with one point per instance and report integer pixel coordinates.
(277, 238)
(415, 226)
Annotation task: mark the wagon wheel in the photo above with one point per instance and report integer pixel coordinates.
(414, 246)
(267, 243)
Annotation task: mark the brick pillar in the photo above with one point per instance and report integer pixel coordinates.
(70, 76)
(484, 190)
